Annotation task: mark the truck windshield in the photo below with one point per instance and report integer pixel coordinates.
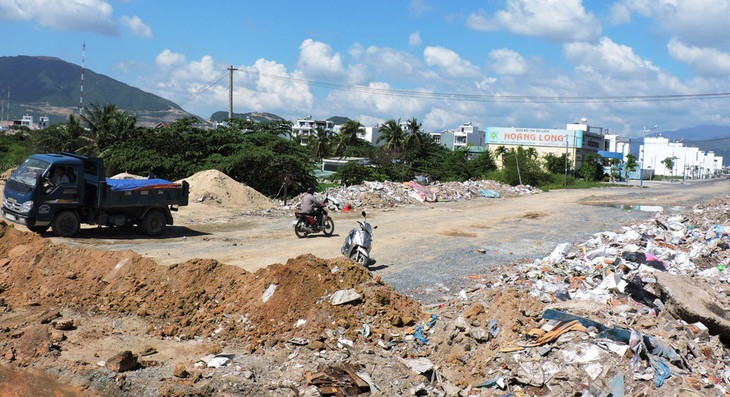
(28, 172)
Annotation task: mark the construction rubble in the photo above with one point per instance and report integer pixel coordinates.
(636, 312)
(380, 195)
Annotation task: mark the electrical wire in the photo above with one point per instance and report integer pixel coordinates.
(490, 98)
(204, 87)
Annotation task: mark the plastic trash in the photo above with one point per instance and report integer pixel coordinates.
(418, 334)
(488, 193)
(662, 370)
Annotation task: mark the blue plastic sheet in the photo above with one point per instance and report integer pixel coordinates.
(125, 185)
(661, 368)
(489, 193)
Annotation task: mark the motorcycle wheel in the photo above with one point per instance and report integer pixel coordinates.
(359, 258)
(299, 229)
(329, 227)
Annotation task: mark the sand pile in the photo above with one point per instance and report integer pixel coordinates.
(6, 174)
(213, 187)
(199, 297)
(125, 175)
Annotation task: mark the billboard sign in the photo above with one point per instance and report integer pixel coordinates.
(533, 137)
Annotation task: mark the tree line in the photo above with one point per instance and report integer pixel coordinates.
(265, 155)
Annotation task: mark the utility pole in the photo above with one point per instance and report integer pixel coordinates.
(231, 69)
(566, 160)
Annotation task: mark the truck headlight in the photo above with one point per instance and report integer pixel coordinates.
(26, 207)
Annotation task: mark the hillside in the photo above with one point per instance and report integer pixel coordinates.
(255, 116)
(50, 86)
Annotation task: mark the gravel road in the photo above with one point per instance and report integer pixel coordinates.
(424, 251)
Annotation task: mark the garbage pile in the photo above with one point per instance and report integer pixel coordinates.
(639, 312)
(394, 194)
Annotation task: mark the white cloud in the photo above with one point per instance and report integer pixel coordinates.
(378, 106)
(136, 25)
(167, 58)
(419, 7)
(693, 21)
(450, 62)
(391, 62)
(415, 39)
(254, 88)
(508, 62)
(558, 20)
(78, 15)
(705, 61)
(316, 59)
(615, 60)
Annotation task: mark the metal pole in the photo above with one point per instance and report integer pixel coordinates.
(643, 150)
(566, 160)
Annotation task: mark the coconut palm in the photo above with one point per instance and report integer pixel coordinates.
(352, 128)
(341, 141)
(393, 135)
(320, 143)
(415, 137)
(107, 125)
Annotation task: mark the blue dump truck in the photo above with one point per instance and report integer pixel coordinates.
(62, 191)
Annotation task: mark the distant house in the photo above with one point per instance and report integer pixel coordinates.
(467, 134)
(306, 128)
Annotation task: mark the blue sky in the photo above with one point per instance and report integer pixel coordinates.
(474, 49)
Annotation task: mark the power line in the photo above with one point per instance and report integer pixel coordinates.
(491, 98)
(204, 87)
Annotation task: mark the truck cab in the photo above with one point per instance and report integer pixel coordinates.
(34, 194)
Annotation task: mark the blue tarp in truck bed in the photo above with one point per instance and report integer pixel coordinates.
(125, 185)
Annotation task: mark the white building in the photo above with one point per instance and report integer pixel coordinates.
(370, 135)
(307, 127)
(618, 144)
(689, 162)
(467, 134)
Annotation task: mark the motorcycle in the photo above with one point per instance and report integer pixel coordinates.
(306, 224)
(359, 242)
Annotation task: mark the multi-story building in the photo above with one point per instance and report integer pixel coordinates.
(688, 162)
(306, 127)
(467, 134)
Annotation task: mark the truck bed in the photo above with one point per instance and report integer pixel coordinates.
(142, 193)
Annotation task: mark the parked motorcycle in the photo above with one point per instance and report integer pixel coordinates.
(306, 224)
(359, 242)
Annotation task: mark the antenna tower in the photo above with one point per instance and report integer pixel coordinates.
(83, 63)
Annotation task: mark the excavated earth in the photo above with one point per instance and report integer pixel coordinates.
(81, 320)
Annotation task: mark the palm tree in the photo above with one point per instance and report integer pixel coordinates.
(500, 151)
(531, 153)
(63, 137)
(352, 128)
(107, 124)
(341, 141)
(320, 143)
(393, 135)
(415, 136)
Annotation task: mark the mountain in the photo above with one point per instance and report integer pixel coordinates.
(707, 138)
(338, 120)
(254, 116)
(47, 86)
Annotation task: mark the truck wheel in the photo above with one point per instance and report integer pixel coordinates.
(65, 224)
(153, 223)
(38, 229)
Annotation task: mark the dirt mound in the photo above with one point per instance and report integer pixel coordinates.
(199, 297)
(6, 175)
(213, 187)
(125, 175)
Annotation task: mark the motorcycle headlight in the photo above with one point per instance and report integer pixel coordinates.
(26, 207)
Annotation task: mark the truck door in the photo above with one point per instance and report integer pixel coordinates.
(61, 189)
